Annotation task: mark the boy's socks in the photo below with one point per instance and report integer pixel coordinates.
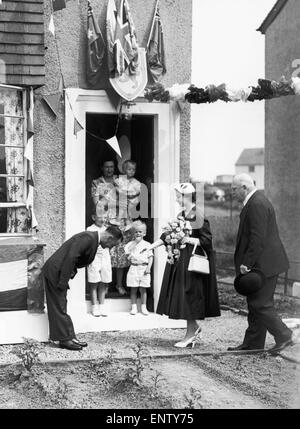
(133, 309)
(102, 309)
(144, 310)
(95, 310)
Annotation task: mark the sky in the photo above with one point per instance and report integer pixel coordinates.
(226, 49)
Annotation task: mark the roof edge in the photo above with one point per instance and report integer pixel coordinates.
(274, 12)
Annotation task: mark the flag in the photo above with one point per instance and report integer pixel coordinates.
(155, 49)
(122, 46)
(53, 102)
(28, 155)
(51, 27)
(96, 49)
(58, 4)
(114, 144)
(77, 127)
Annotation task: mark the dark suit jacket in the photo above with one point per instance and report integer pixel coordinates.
(258, 243)
(77, 252)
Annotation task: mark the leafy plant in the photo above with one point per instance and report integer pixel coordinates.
(134, 372)
(193, 399)
(54, 388)
(29, 353)
(158, 381)
(133, 375)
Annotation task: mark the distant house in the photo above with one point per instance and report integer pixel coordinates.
(281, 28)
(251, 161)
(224, 178)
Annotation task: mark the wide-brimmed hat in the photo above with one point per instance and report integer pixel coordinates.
(249, 283)
(185, 188)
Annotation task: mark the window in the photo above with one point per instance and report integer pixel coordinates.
(14, 216)
(251, 168)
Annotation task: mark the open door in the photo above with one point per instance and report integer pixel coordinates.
(136, 139)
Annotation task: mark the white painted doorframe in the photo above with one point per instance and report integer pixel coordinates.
(78, 102)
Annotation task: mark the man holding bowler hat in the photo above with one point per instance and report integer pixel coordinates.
(259, 258)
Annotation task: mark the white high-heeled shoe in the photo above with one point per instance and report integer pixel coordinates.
(189, 342)
(198, 332)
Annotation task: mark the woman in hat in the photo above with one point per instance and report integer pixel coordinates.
(189, 295)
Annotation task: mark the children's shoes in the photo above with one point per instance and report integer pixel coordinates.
(102, 310)
(95, 310)
(144, 310)
(133, 309)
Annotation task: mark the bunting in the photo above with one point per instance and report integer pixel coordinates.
(96, 49)
(77, 127)
(58, 4)
(156, 49)
(53, 102)
(51, 27)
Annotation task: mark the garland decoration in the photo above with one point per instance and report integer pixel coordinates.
(265, 90)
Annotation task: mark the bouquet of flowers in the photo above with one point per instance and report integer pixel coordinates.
(175, 231)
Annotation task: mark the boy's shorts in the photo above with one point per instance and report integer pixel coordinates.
(100, 269)
(136, 276)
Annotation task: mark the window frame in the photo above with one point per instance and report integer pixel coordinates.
(17, 204)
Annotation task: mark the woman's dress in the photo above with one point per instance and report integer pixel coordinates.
(185, 294)
(128, 196)
(104, 196)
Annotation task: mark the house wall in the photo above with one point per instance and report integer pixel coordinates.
(282, 131)
(66, 54)
(257, 175)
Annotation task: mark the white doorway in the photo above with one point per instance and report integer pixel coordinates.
(164, 120)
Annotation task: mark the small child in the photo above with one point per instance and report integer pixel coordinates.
(128, 196)
(129, 190)
(99, 272)
(138, 276)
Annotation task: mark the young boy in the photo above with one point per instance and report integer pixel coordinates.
(138, 276)
(99, 271)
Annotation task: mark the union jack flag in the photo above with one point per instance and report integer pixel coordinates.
(121, 39)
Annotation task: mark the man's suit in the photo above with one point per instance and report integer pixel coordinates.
(259, 246)
(77, 252)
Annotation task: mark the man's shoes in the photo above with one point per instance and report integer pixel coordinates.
(240, 347)
(81, 343)
(282, 345)
(70, 345)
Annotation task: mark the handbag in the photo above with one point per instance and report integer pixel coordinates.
(199, 263)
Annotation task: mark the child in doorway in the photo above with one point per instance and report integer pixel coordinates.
(138, 276)
(99, 272)
(128, 191)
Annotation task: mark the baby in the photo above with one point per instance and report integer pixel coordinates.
(129, 190)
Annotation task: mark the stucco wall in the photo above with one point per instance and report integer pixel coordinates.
(67, 55)
(282, 147)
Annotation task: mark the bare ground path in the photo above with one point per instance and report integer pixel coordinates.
(91, 378)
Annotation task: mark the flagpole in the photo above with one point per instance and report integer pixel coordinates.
(156, 7)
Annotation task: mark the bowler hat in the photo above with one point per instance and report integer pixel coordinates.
(246, 284)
